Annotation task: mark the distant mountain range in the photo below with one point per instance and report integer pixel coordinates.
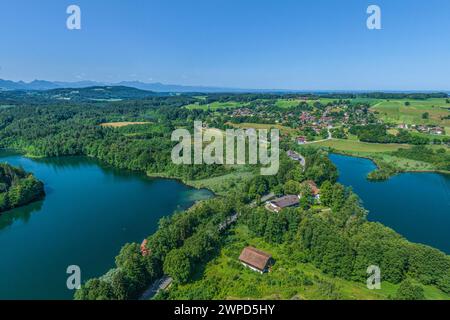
(43, 85)
(155, 87)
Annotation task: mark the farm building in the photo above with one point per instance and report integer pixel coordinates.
(256, 260)
(277, 205)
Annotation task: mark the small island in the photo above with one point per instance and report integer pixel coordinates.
(18, 188)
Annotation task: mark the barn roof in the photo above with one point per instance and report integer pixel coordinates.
(255, 258)
(286, 201)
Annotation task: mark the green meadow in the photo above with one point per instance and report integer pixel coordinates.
(396, 111)
(215, 105)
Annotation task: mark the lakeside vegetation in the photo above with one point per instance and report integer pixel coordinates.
(394, 158)
(18, 188)
(322, 248)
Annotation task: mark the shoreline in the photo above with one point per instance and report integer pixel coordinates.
(378, 167)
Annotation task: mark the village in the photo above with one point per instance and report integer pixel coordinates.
(427, 129)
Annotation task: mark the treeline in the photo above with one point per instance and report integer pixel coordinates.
(440, 158)
(377, 133)
(18, 188)
(386, 95)
(181, 243)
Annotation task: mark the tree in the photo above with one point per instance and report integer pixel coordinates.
(338, 197)
(274, 229)
(409, 291)
(292, 187)
(131, 262)
(120, 285)
(425, 115)
(326, 193)
(407, 103)
(178, 265)
(95, 289)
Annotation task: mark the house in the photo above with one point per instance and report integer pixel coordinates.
(256, 260)
(301, 140)
(144, 250)
(314, 189)
(277, 205)
(437, 130)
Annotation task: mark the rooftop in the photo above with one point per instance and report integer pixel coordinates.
(255, 258)
(286, 201)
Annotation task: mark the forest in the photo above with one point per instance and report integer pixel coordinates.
(18, 188)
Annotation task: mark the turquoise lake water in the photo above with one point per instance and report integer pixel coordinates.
(416, 205)
(89, 213)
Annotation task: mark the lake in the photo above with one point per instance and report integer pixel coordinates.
(416, 205)
(90, 212)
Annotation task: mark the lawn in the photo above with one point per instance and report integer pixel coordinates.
(397, 112)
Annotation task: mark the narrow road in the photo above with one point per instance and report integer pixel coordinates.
(158, 285)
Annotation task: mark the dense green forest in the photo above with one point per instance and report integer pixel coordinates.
(18, 188)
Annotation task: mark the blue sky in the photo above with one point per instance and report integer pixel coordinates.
(289, 44)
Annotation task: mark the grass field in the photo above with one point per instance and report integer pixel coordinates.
(256, 126)
(379, 153)
(222, 184)
(216, 105)
(357, 146)
(397, 112)
(225, 278)
(289, 103)
(121, 124)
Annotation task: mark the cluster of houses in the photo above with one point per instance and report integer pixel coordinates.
(306, 117)
(436, 130)
(308, 120)
(242, 112)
